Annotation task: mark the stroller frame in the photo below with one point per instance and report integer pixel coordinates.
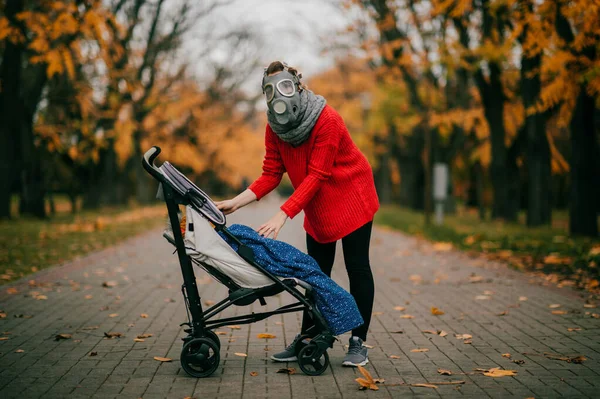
(201, 349)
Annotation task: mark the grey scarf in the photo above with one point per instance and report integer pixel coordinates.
(311, 106)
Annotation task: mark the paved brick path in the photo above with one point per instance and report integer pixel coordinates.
(408, 273)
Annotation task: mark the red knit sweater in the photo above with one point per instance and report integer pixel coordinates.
(333, 181)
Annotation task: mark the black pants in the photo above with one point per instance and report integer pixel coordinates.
(356, 257)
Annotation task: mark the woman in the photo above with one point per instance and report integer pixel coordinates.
(333, 185)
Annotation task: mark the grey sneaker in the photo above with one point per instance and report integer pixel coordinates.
(357, 354)
(289, 354)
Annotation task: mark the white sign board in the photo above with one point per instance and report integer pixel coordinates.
(440, 181)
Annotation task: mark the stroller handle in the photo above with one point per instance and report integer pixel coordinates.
(148, 163)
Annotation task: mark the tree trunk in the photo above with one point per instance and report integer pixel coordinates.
(382, 175)
(584, 155)
(539, 171)
(498, 173)
(10, 112)
(412, 174)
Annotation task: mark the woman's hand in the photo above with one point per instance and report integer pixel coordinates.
(228, 206)
(274, 225)
(232, 205)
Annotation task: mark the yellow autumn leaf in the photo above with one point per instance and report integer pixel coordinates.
(266, 336)
(162, 359)
(436, 312)
(496, 372)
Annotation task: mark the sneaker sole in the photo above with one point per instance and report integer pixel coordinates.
(287, 359)
(350, 364)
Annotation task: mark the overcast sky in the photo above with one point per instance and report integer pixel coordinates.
(291, 31)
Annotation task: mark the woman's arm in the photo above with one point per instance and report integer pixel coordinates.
(240, 201)
(319, 167)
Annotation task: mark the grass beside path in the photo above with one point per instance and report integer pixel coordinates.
(548, 251)
(28, 244)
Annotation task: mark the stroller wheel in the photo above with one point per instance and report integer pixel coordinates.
(211, 334)
(302, 342)
(312, 360)
(200, 357)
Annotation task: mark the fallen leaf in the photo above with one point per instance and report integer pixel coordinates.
(429, 332)
(554, 306)
(482, 297)
(368, 346)
(266, 336)
(503, 313)
(596, 315)
(394, 357)
(559, 312)
(113, 315)
(288, 370)
(144, 316)
(571, 329)
(420, 350)
(93, 353)
(442, 333)
(444, 372)
(11, 291)
(442, 246)
(519, 362)
(522, 298)
(58, 337)
(234, 327)
(569, 359)
(507, 355)
(19, 351)
(436, 312)
(240, 354)
(88, 296)
(590, 305)
(368, 382)
(253, 373)
(208, 302)
(3, 338)
(2, 314)
(41, 297)
(496, 372)
(594, 251)
(139, 340)
(463, 336)
(467, 341)
(113, 335)
(279, 323)
(220, 332)
(400, 308)
(109, 284)
(475, 279)
(162, 359)
(398, 332)
(91, 328)
(377, 313)
(407, 316)
(141, 336)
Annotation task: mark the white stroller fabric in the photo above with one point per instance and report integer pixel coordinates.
(204, 244)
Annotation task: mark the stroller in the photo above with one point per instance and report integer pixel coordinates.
(246, 280)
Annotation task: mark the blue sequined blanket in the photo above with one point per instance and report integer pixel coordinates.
(335, 304)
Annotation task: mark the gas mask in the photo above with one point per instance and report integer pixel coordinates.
(283, 96)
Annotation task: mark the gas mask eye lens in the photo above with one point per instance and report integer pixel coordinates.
(286, 87)
(269, 92)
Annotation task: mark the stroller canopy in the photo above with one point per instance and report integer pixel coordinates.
(198, 198)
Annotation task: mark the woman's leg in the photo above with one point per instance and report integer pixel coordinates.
(324, 254)
(356, 256)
